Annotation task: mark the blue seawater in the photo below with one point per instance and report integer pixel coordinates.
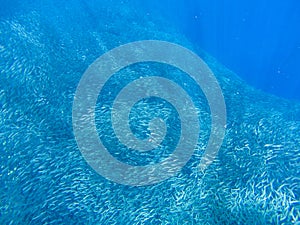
(46, 46)
(259, 40)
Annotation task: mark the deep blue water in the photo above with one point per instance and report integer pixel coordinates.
(259, 40)
(46, 48)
